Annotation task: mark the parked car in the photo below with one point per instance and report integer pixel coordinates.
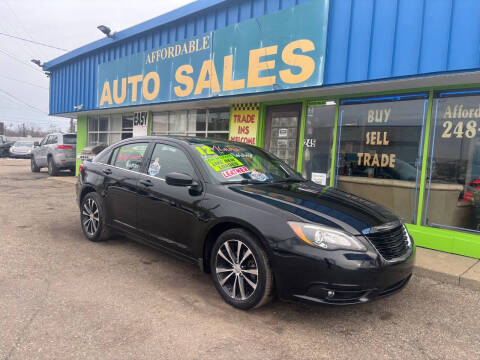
(89, 152)
(21, 149)
(4, 146)
(56, 152)
(247, 218)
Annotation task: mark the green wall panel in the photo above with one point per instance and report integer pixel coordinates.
(81, 138)
(446, 240)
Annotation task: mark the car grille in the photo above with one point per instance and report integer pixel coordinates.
(390, 244)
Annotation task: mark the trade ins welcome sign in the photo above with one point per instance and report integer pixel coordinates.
(283, 50)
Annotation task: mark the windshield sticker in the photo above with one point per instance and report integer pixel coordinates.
(226, 148)
(154, 168)
(237, 171)
(205, 150)
(223, 162)
(243, 154)
(256, 175)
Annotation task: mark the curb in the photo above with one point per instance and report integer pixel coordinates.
(437, 275)
(469, 279)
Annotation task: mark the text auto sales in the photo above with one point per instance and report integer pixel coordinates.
(188, 82)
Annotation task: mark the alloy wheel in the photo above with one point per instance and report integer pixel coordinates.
(236, 269)
(90, 217)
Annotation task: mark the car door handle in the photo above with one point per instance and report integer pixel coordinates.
(146, 182)
(107, 171)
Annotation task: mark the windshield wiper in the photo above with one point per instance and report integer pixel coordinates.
(292, 180)
(245, 181)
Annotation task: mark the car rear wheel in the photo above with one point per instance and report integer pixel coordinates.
(240, 270)
(33, 165)
(52, 168)
(92, 218)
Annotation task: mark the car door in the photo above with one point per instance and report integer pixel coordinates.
(169, 215)
(41, 152)
(121, 185)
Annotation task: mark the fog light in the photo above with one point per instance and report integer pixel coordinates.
(330, 293)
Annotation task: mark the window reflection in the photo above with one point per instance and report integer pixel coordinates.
(209, 123)
(453, 184)
(108, 129)
(317, 143)
(380, 150)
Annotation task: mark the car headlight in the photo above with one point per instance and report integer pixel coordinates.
(325, 237)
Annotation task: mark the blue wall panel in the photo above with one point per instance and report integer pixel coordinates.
(381, 39)
(338, 48)
(367, 40)
(361, 31)
(465, 33)
(408, 36)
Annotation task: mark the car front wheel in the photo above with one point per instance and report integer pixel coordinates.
(92, 218)
(33, 165)
(240, 270)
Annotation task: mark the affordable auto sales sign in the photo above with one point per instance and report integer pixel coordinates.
(284, 50)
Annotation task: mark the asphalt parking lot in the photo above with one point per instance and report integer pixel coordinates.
(63, 297)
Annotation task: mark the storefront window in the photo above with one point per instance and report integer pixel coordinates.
(108, 129)
(127, 126)
(380, 149)
(453, 183)
(201, 123)
(317, 143)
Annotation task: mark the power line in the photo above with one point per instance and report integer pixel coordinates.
(24, 82)
(22, 102)
(20, 23)
(14, 30)
(33, 42)
(20, 61)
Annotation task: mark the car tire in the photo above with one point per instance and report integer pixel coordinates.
(94, 226)
(33, 165)
(52, 168)
(243, 277)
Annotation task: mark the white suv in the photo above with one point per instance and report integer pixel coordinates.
(56, 152)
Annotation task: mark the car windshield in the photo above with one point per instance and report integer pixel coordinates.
(231, 162)
(23, 143)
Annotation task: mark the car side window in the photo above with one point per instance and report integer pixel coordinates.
(44, 140)
(53, 139)
(167, 159)
(129, 156)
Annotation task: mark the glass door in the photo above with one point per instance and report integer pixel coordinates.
(282, 129)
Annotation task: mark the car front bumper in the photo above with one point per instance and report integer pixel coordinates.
(20, 155)
(337, 277)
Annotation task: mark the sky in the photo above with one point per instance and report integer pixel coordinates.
(66, 24)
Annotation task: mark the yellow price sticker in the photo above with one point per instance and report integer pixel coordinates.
(205, 150)
(223, 162)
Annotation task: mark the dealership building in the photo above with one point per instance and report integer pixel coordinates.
(377, 98)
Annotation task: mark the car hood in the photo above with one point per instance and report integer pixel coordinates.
(324, 205)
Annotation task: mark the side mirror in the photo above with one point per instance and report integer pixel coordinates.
(179, 179)
(36, 144)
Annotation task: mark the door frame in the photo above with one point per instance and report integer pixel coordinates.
(294, 108)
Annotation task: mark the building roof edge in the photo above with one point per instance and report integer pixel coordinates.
(163, 19)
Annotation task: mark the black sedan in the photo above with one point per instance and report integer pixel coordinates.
(247, 218)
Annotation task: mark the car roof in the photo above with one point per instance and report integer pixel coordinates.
(189, 140)
(58, 133)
